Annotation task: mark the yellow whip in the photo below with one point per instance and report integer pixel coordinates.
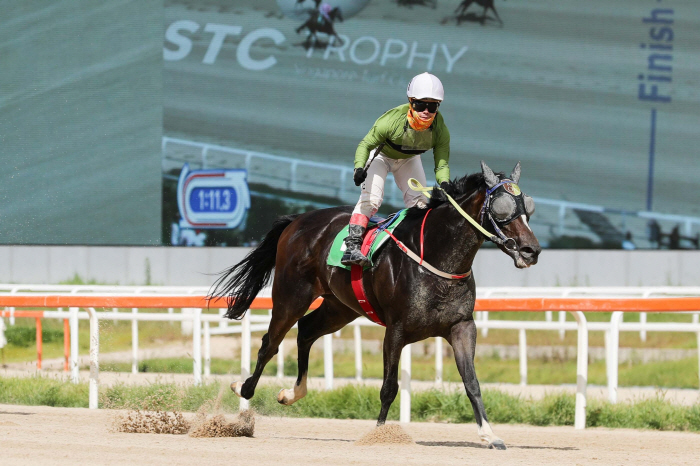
(415, 185)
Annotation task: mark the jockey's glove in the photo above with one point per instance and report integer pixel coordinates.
(444, 185)
(359, 176)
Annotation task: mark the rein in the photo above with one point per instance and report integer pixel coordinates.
(501, 239)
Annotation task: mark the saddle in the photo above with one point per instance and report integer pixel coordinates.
(375, 237)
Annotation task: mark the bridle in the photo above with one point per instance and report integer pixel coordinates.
(506, 185)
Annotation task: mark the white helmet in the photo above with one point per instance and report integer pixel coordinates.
(425, 86)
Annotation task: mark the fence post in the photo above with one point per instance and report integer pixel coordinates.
(66, 345)
(197, 346)
(405, 403)
(562, 216)
(581, 371)
(522, 346)
(245, 355)
(328, 360)
(205, 149)
(341, 186)
(75, 375)
(438, 361)
(207, 350)
(134, 342)
(614, 355)
(562, 319)
(223, 322)
(93, 390)
(39, 343)
(358, 353)
(293, 172)
(643, 320)
(280, 360)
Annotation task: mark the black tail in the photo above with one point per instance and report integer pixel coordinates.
(241, 283)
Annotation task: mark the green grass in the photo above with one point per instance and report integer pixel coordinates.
(361, 402)
(668, 374)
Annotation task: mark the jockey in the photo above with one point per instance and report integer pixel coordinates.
(325, 11)
(398, 138)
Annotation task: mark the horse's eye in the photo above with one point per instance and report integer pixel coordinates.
(503, 207)
(529, 205)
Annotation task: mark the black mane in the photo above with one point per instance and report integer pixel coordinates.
(468, 184)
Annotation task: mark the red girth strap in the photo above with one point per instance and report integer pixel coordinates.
(357, 284)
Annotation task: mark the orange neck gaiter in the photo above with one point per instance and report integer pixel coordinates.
(416, 122)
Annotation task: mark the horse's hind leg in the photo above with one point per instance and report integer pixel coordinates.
(284, 316)
(331, 316)
(463, 341)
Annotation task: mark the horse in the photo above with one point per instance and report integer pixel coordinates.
(487, 4)
(320, 22)
(412, 302)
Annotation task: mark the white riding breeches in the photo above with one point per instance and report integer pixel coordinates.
(373, 187)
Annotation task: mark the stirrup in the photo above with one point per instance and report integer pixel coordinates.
(355, 258)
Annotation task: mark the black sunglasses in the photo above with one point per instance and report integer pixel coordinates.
(421, 105)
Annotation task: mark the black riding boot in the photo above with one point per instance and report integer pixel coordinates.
(353, 243)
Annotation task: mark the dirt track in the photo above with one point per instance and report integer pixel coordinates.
(43, 435)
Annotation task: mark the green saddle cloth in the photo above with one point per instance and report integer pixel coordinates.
(336, 252)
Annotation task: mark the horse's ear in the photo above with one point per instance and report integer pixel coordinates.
(489, 175)
(515, 176)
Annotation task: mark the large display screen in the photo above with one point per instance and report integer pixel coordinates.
(598, 100)
(198, 122)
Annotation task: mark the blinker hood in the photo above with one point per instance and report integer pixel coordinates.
(506, 202)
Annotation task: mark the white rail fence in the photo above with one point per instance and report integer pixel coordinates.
(253, 323)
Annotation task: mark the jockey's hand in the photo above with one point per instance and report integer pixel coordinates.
(444, 185)
(359, 176)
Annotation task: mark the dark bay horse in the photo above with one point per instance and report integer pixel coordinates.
(486, 4)
(414, 303)
(321, 20)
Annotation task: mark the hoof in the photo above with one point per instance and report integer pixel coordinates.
(281, 398)
(498, 445)
(236, 388)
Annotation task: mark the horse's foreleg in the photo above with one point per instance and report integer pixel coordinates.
(393, 344)
(463, 341)
(331, 316)
(496, 13)
(461, 8)
(283, 319)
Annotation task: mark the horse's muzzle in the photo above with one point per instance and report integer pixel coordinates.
(529, 254)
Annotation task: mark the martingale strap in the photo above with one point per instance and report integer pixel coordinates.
(358, 286)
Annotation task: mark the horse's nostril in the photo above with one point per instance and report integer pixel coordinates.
(529, 252)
